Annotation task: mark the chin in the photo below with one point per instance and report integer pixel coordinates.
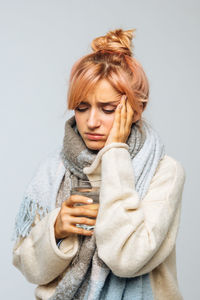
(93, 145)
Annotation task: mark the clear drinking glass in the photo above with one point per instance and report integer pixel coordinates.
(84, 188)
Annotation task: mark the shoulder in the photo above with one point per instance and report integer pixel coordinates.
(171, 172)
(52, 159)
(172, 165)
(49, 167)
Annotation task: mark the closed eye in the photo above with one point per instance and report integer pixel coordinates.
(107, 111)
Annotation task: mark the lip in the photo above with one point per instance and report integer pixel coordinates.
(94, 137)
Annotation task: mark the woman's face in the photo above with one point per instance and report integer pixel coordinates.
(95, 115)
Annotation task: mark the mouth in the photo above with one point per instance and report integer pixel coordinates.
(94, 136)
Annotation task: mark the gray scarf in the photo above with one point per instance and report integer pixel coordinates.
(146, 150)
(76, 155)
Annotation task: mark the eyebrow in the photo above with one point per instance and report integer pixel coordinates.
(101, 103)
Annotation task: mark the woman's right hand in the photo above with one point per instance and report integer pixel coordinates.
(69, 216)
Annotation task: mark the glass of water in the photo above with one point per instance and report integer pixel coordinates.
(88, 189)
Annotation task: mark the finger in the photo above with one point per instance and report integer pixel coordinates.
(77, 199)
(117, 119)
(93, 206)
(123, 115)
(130, 114)
(81, 231)
(82, 220)
(82, 211)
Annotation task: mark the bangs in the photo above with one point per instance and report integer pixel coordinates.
(85, 81)
(124, 73)
(82, 83)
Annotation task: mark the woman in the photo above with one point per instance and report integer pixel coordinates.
(131, 252)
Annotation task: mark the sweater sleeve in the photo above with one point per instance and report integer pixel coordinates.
(38, 257)
(133, 237)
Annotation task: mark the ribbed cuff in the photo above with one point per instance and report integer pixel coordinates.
(58, 242)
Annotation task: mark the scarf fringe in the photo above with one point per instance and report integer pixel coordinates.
(26, 217)
(40, 192)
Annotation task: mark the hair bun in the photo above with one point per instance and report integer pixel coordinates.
(117, 40)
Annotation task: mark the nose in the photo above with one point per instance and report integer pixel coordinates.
(93, 120)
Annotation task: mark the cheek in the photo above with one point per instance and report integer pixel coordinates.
(109, 122)
(79, 120)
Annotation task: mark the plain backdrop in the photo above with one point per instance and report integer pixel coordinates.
(40, 41)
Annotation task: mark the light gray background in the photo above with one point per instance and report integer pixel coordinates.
(40, 40)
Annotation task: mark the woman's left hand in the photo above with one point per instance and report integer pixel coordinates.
(122, 122)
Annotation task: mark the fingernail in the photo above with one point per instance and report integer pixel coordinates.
(124, 97)
(90, 200)
(120, 106)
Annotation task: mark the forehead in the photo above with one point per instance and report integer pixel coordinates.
(103, 92)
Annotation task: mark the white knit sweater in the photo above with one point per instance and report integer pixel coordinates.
(133, 237)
